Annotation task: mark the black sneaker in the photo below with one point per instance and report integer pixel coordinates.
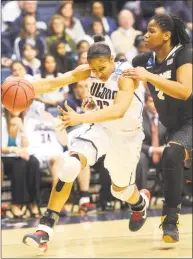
(138, 218)
(42, 236)
(169, 226)
(38, 239)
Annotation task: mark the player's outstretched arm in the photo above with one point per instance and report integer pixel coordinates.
(42, 86)
(122, 102)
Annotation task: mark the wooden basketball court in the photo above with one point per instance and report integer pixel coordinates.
(109, 239)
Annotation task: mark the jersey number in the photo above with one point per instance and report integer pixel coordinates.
(160, 94)
(45, 137)
(101, 104)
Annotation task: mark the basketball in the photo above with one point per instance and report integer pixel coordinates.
(17, 94)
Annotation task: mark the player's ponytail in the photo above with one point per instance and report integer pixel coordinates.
(175, 25)
(180, 28)
(99, 48)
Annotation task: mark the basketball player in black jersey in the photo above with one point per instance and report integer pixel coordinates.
(167, 69)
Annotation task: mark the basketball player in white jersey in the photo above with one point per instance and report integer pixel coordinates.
(46, 143)
(114, 129)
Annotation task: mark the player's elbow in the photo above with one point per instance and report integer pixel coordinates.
(187, 95)
(120, 114)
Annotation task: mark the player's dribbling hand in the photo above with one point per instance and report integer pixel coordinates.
(69, 118)
(138, 73)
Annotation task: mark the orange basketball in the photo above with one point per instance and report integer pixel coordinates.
(17, 94)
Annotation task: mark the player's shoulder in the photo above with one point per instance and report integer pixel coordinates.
(185, 50)
(183, 56)
(141, 60)
(120, 66)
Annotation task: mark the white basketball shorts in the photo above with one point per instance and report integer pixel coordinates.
(122, 150)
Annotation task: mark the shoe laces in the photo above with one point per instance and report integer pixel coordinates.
(169, 219)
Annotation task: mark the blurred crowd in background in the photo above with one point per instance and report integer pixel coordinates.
(44, 39)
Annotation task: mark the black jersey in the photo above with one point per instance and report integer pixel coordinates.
(173, 112)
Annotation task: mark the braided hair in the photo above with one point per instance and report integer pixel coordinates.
(175, 25)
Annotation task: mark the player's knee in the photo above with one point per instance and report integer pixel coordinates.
(70, 169)
(123, 194)
(173, 155)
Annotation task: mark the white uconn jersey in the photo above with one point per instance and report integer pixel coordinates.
(104, 94)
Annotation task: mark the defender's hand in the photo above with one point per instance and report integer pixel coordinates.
(138, 73)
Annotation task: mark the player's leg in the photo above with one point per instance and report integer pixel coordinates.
(84, 149)
(55, 165)
(138, 200)
(173, 159)
(84, 182)
(59, 195)
(122, 168)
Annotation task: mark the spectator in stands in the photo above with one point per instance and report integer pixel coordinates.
(148, 9)
(44, 142)
(135, 8)
(82, 46)
(10, 12)
(32, 64)
(29, 34)
(98, 13)
(30, 8)
(6, 62)
(182, 9)
(97, 27)
(72, 24)
(57, 32)
(49, 70)
(22, 168)
(123, 38)
(82, 58)
(18, 69)
(6, 50)
(76, 98)
(153, 144)
(65, 60)
(141, 48)
(140, 44)
(120, 56)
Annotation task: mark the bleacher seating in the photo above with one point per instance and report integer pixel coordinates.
(46, 9)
